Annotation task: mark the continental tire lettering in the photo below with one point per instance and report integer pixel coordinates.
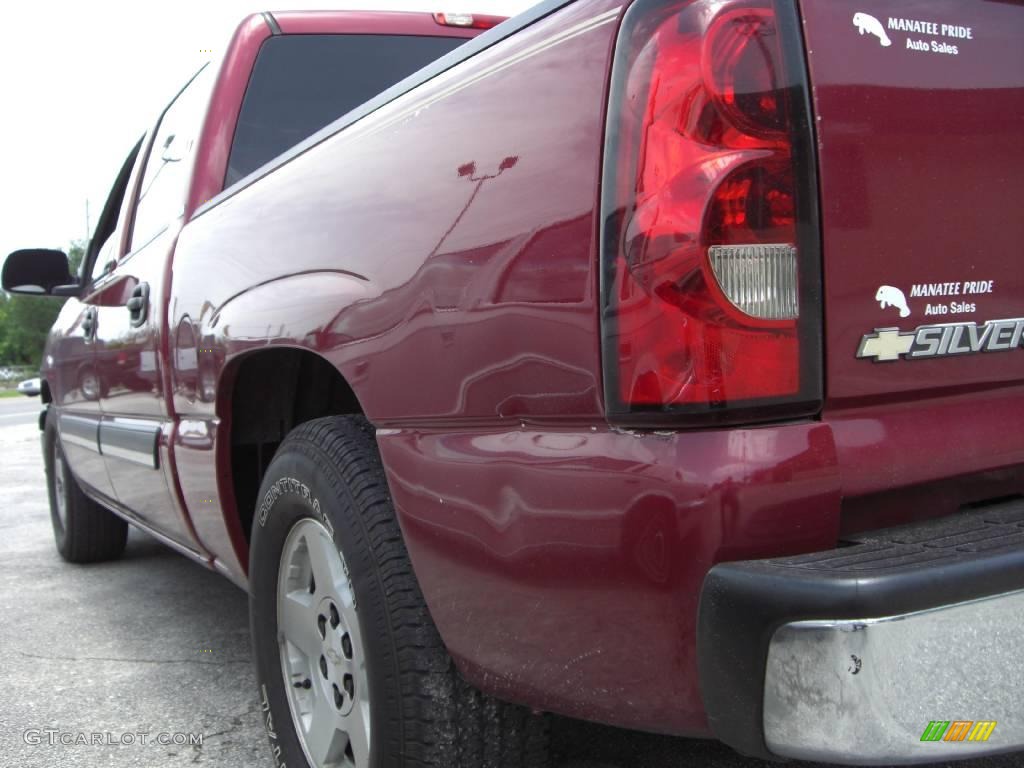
(323, 518)
(268, 718)
(272, 495)
(289, 485)
(268, 722)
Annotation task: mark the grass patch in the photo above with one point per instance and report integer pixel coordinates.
(10, 393)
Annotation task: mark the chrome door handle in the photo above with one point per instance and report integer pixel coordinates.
(138, 304)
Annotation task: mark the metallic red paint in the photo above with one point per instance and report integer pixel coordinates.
(214, 145)
(920, 163)
(456, 283)
(563, 566)
(133, 370)
(441, 253)
(69, 370)
(235, 68)
(459, 285)
(213, 514)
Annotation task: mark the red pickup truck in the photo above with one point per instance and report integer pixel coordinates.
(658, 363)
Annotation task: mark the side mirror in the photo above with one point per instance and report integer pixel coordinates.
(39, 272)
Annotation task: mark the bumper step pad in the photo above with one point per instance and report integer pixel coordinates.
(798, 633)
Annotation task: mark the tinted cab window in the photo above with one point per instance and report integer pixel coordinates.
(301, 83)
(169, 167)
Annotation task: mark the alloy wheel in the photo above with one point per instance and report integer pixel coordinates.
(322, 654)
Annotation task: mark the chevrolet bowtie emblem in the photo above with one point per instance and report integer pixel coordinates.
(886, 344)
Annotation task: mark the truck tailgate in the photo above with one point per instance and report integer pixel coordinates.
(920, 119)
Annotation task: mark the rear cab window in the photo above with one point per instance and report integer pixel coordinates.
(301, 83)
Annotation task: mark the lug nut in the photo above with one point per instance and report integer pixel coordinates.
(346, 645)
(335, 619)
(321, 625)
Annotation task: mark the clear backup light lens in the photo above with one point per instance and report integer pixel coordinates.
(760, 280)
(711, 275)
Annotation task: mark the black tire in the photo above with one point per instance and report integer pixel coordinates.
(422, 713)
(89, 532)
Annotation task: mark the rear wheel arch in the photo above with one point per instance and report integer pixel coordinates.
(262, 396)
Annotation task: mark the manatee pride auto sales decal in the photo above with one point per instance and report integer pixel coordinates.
(886, 345)
(922, 35)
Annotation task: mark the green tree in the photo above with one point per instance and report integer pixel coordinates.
(26, 320)
(76, 253)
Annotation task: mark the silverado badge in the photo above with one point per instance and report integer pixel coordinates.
(886, 345)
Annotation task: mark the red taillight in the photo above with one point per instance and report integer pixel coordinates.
(711, 274)
(468, 20)
(742, 70)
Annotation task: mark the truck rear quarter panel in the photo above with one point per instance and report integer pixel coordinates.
(507, 146)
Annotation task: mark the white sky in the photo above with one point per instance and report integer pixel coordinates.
(81, 81)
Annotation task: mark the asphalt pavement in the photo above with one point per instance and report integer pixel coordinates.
(17, 411)
(153, 648)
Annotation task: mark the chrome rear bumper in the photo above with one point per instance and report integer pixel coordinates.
(866, 692)
(889, 650)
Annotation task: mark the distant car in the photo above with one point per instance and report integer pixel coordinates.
(30, 387)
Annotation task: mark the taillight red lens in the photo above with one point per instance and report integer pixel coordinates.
(741, 63)
(711, 274)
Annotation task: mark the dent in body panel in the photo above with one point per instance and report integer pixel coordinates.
(547, 557)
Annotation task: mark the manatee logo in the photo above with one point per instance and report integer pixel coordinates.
(865, 22)
(888, 296)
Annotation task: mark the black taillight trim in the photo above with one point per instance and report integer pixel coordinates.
(808, 401)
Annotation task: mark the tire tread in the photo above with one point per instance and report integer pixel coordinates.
(445, 723)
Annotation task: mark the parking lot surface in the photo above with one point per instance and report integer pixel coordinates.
(157, 647)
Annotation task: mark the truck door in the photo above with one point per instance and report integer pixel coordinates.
(130, 340)
(70, 367)
(73, 381)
